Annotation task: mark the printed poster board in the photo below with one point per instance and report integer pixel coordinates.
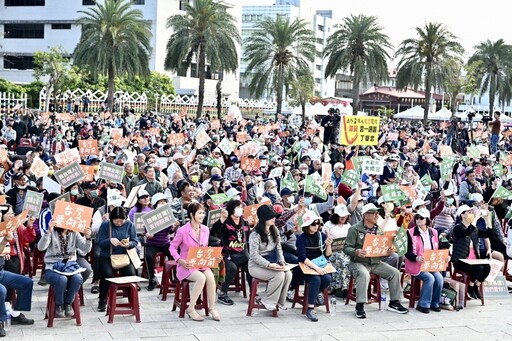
(159, 219)
(204, 257)
(377, 245)
(72, 216)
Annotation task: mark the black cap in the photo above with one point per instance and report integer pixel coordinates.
(266, 212)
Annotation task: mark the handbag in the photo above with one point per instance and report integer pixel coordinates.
(320, 261)
(118, 261)
(239, 258)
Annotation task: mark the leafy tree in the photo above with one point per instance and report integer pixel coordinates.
(10, 87)
(301, 90)
(51, 64)
(422, 60)
(388, 112)
(276, 53)
(115, 41)
(358, 47)
(207, 32)
(33, 90)
(496, 59)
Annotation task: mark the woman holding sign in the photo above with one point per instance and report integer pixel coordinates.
(266, 260)
(194, 234)
(313, 247)
(419, 239)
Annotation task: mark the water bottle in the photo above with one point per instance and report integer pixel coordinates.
(383, 300)
(333, 306)
(8, 321)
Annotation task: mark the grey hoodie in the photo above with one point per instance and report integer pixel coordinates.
(50, 243)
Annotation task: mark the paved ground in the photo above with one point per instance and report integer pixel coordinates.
(489, 322)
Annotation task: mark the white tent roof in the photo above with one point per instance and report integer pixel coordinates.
(464, 116)
(414, 113)
(442, 115)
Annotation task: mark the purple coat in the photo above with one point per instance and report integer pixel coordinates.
(184, 239)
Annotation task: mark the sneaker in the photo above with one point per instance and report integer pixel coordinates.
(471, 292)
(476, 290)
(21, 319)
(281, 307)
(290, 295)
(360, 314)
(224, 299)
(59, 312)
(102, 305)
(397, 307)
(2, 330)
(68, 310)
(151, 285)
(422, 310)
(311, 315)
(436, 309)
(42, 281)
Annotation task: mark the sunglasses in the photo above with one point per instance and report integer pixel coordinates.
(317, 223)
(420, 217)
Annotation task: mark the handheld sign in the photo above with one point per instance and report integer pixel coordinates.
(68, 156)
(376, 245)
(72, 216)
(337, 244)
(65, 197)
(138, 222)
(33, 203)
(69, 175)
(88, 147)
(213, 216)
(310, 271)
(111, 172)
(204, 257)
(159, 219)
(13, 223)
(250, 212)
(434, 260)
(39, 168)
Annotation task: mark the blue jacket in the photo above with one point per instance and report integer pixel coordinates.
(127, 230)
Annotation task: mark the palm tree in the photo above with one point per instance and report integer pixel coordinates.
(276, 53)
(359, 47)
(496, 65)
(207, 32)
(115, 40)
(422, 60)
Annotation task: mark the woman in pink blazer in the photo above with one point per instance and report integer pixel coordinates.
(194, 234)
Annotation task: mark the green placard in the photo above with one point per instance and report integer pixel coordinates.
(69, 175)
(496, 288)
(159, 219)
(400, 241)
(337, 244)
(311, 186)
(350, 178)
(392, 192)
(33, 203)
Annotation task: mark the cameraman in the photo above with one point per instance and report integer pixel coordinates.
(495, 131)
(329, 123)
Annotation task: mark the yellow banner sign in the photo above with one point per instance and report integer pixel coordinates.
(359, 130)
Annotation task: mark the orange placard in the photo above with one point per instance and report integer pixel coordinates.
(39, 168)
(89, 172)
(67, 157)
(72, 216)
(250, 213)
(377, 245)
(410, 190)
(248, 164)
(204, 257)
(12, 224)
(3, 155)
(88, 147)
(411, 143)
(176, 139)
(434, 260)
(2, 200)
(241, 136)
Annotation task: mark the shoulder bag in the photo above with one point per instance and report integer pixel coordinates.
(320, 261)
(118, 261)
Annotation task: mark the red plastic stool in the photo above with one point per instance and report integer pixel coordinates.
(182, 298)
(169, 282)
(131, 308)
(413, 294)
(373, 295)
(50, 308)
(465, 278)
(303, 300)
(253, 304)
(37, 262)
(238, 284)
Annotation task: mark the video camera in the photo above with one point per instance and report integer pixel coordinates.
(486, 118)
(471, 115)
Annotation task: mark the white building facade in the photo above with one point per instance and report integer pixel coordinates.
(321, 23)
(27, 26)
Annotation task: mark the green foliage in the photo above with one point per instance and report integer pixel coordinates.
(115, 41)
(206, 32)
(33, 90)
(360, 48)
(385, 111)
(301, 91)
(276, 53)
(6, 86)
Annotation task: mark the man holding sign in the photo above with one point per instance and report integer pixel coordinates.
(363, 264)
(421, 239)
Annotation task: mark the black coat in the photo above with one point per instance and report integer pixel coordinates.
(463, 236)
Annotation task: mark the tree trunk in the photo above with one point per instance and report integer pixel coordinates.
(453, 104)
(303, 106)
(48, 95)
(279, 94)
(202, 74)
(111, 88)
(427, 98)
(218, 88)
(492, 92)
(355, 92)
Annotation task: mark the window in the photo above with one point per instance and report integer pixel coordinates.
(319, 41)
(139, 2)
(19, 63)
(61, 26)
(183, 4)
(88, 2)
(320, 28)
(319, 67)
(193, 70)
(24, 31)
(317, 80)
(24, 3)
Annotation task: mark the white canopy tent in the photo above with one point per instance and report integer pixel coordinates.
(442, 115)
(414, 113)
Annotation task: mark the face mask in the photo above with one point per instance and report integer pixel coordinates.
(236, 197)
(365, 194)
(308, 200)
(287, 168)
(304, 172)
(74, 192)
(450, 201)
(274, 191)
(484, 213)
(21, 186)
(239, 211)
(51, 172)
(194, 178)
(290, 199)
(258, 178)
(94, 194)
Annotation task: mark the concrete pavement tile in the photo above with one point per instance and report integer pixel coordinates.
(362, 335)
(87, 336)
(225, 336)
(57, 329)
(417, 334)
(37, 338)
(192, 330)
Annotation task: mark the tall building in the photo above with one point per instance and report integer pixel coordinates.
(27, 26)
(321, 24)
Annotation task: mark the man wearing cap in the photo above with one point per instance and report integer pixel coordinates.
(233, 173)
(255, 193)
(215, 182)
(16, 196)
(389, 174)
(176, 165)
(362, 266)
(469, 186)
(152, 185)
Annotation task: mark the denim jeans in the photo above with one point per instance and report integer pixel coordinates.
(431, 289)
(494, 143)
(317, 284)
(66, 287)
(9, 280)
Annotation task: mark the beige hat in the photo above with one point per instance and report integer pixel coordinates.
(423, 212)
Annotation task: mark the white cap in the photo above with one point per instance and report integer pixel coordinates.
(341, 210)
(419, 202)
(476, 197)
(370, 208)
(157, 197)
(423, 212)
(463, 209)
(142, 193)
(177, 156)
(232, 192)
(308, 218)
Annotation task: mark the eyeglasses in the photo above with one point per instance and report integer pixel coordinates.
(317, 223)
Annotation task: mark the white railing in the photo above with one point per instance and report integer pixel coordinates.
(10, 102)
